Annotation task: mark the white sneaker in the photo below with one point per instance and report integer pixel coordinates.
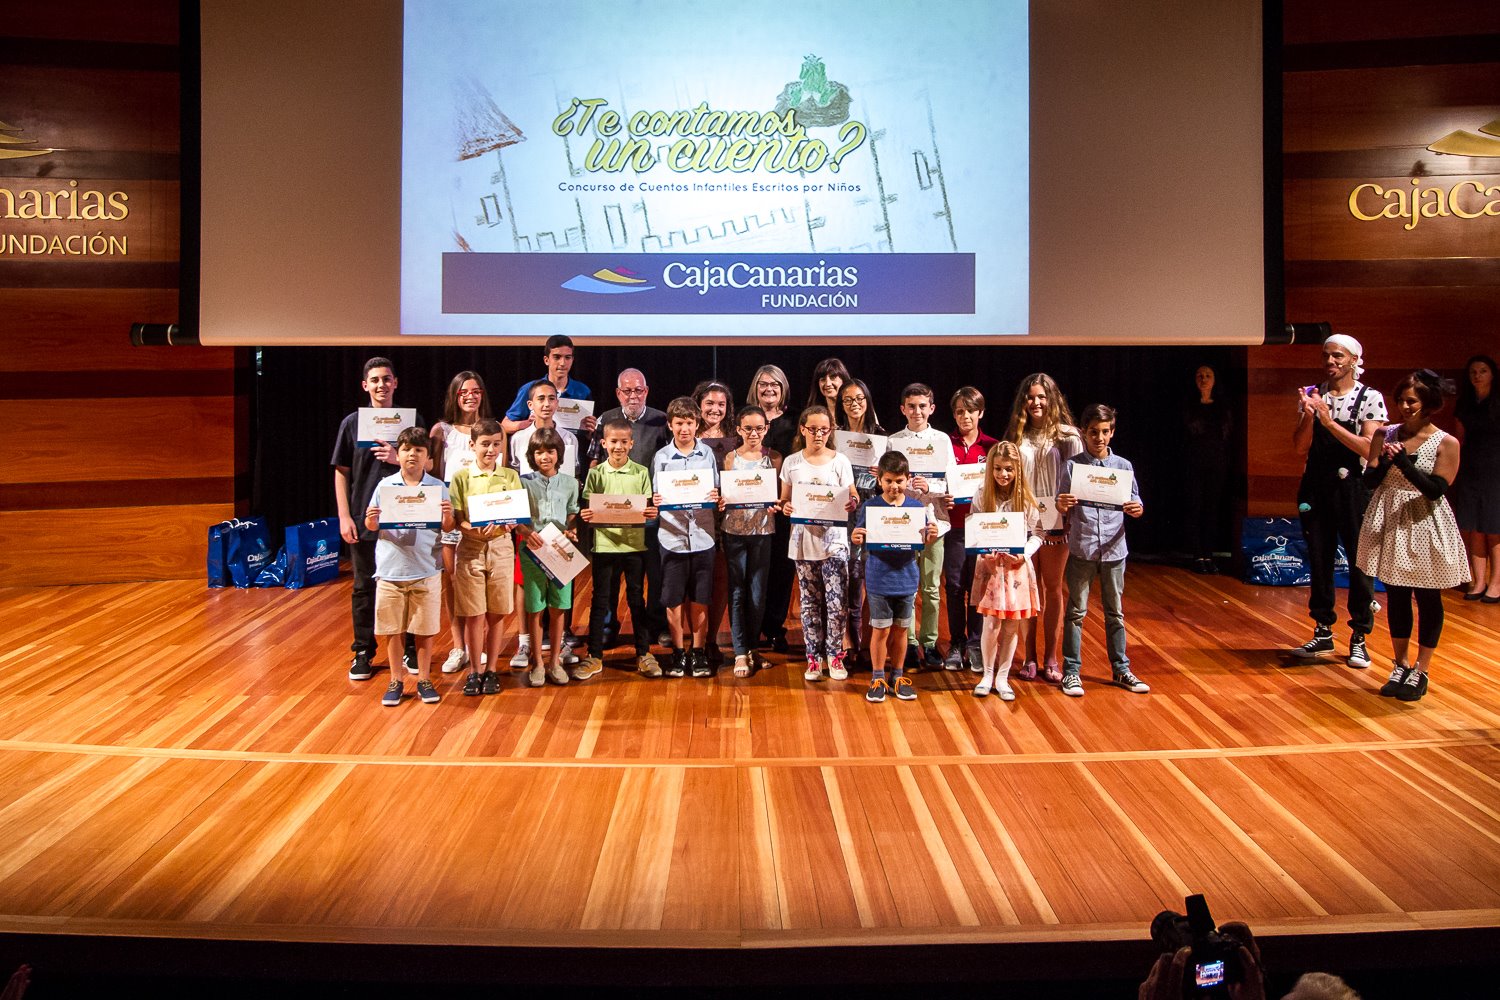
(836, 668)
(814, 671)
(523, 653)
(568, 656)
(537, 676)
(456, 661)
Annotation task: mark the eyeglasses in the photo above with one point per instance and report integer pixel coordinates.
(768, 385)
(854, 399)
(816, 431)
(631, 392)
(748, 431)
(471, 392)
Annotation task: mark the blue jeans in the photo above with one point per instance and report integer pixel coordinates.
(1079, 574)
(747, 563)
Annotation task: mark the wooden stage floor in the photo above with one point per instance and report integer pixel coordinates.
(190, 763)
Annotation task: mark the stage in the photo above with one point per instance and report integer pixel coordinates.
(184, 764)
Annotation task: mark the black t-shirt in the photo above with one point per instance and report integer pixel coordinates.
(781, 433)
(365, 471)
(650, 433)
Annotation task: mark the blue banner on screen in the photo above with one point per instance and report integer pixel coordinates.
(661, 284)
(841, 169)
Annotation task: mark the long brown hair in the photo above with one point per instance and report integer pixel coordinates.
(1056, 418)
(451, 412)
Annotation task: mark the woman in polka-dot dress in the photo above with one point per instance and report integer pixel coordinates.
(1409, 539)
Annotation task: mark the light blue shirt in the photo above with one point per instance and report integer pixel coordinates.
(685, 530)
(1097, 533)
(408, 553)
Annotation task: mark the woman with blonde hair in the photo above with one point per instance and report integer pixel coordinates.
(1041, 427)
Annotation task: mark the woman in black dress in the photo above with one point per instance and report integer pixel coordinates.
(1209, 423)
(1476, 493)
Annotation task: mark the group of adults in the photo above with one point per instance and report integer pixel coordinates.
(1379, 481)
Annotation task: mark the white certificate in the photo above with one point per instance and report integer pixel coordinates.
(748, 489)
(894, 529)
(618, 508)
(1051, 516)
(558, 557)
(1098, 486)
(502, 507)
(964, 484)
(999, 531)
(685, 489)
(383, 425)
(570, 412)
(411, 506)
(926, 458)
(812, 504)
(862, 450)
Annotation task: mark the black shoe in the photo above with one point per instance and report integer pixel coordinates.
(473, 685)
(699, 660)
(931, 658)
(913, 657)
(715, 654)
(779, 644)
(1359, 658)
(1413, 687)
(409, 656)
(1320, 643)
(1391, 686)
(676, 664)
(489, 682)
(361, 669)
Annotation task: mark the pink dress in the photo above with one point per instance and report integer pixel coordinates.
(1005, 586)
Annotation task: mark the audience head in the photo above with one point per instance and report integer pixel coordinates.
(1321, 986)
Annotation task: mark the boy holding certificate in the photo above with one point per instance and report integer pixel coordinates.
(970, 446)
(1097, 490)
(409, 563)
(685, 480)
(920, 439)
(620, 548)
(891, 575)
(553, 496)
(484, 565)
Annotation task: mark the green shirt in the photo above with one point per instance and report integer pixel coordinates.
(469, 481)
(631, 479)
(553, 500)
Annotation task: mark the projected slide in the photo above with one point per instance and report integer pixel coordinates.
(746, 170)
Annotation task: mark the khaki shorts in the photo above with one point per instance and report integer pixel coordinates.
(414, 606)
(484, 577)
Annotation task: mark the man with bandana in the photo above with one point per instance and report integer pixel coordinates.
(1335, 424)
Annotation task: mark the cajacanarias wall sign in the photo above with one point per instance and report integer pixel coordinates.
(1467, 199)
(50, 202)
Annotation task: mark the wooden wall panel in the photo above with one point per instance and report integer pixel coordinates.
(1324, 21)
(105, 545)
(127, 454)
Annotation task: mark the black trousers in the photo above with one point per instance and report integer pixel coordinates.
(608, 568)
(779, 582)
(1429, 611)
(1206, 507)
(1334, 515)
(362, 600)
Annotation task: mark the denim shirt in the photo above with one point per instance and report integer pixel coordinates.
(1096, 533)
(685, 530)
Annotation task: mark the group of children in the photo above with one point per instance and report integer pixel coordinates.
(1001, 588)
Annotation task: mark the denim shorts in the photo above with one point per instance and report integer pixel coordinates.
(886, 611)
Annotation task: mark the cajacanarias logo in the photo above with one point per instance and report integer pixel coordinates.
(608, 281)
(7, 140)
(1469, 199)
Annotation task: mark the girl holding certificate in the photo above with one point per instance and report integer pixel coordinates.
(1041, 426)
(859, 418)
(746, 541)
(464, 406)
(1005, 590)
(819, 542)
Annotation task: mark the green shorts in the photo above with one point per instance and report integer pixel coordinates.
(539, 591)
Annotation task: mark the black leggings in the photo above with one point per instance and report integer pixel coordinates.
(1429, 609)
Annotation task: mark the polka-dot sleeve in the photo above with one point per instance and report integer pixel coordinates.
(1374, 408)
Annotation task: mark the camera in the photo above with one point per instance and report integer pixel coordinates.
(1215, 959)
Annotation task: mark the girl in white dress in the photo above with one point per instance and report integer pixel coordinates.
(1409, 539)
